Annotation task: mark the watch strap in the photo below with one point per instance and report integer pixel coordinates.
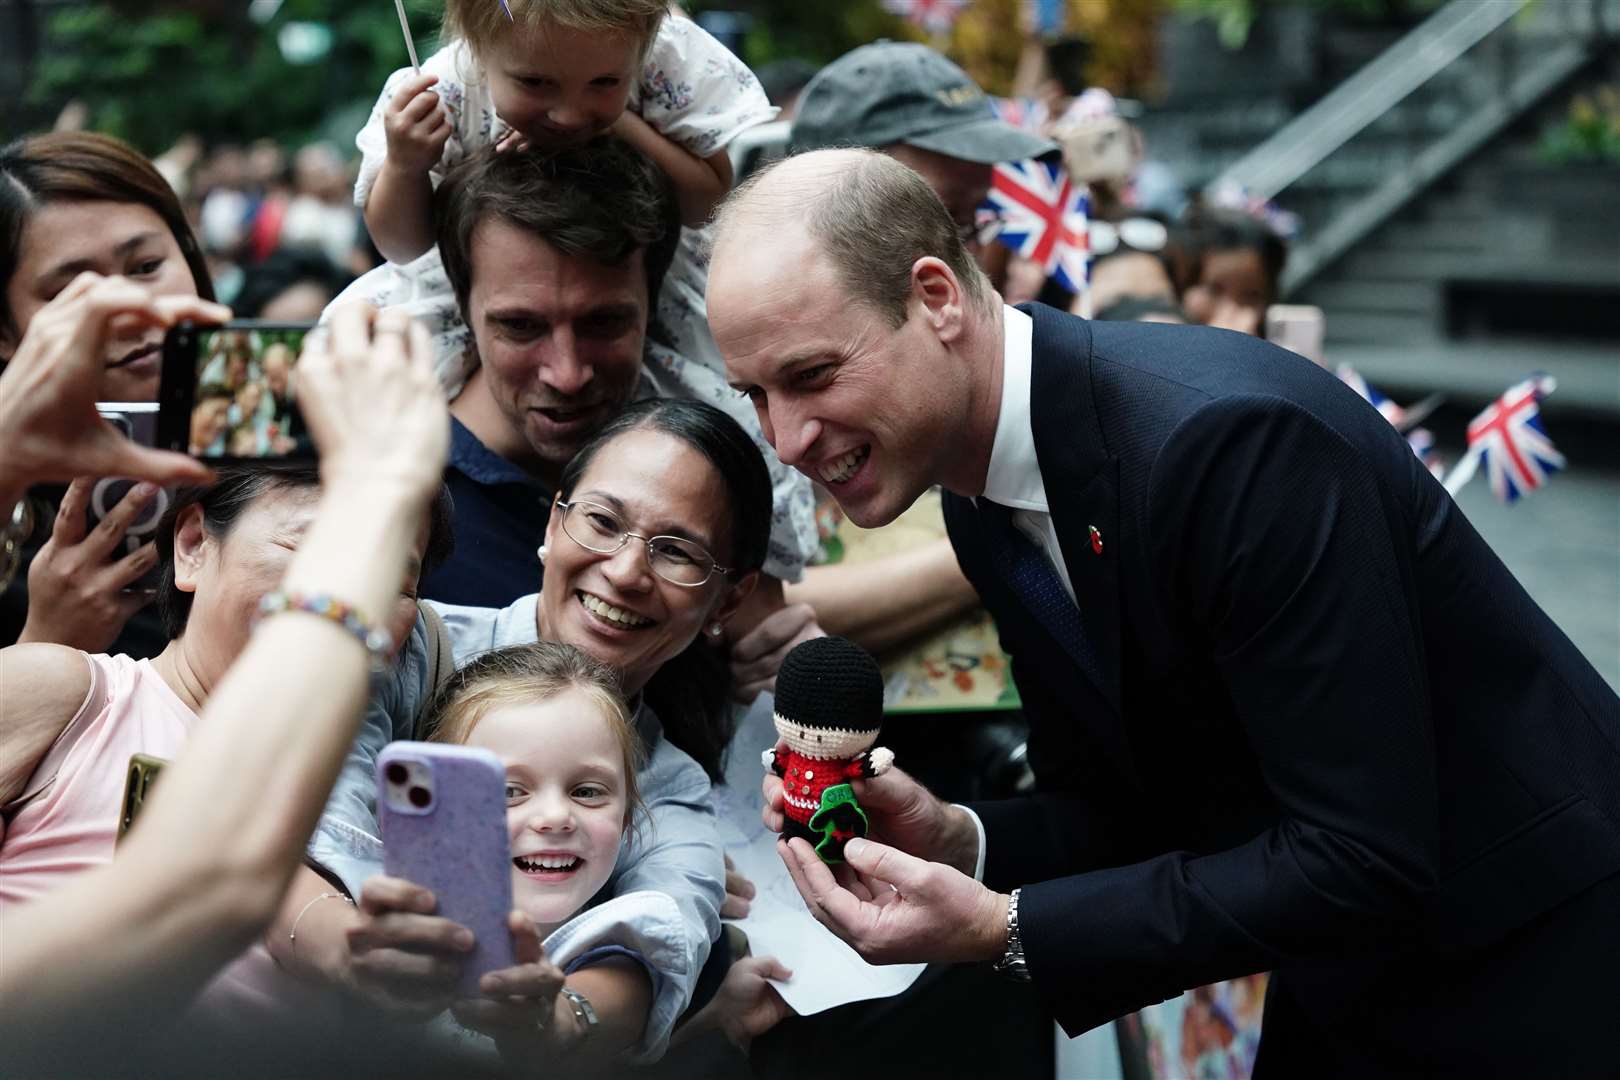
(584, 1011)
(1012, 963)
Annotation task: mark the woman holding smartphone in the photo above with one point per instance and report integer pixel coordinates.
(686, 475)
(72, 202)
(218, 840)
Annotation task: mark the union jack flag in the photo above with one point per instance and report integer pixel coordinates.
(1026, 114)
(1509, 438)
(934, 16)
(1044, 218)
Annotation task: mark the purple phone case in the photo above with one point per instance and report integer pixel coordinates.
(458, 848)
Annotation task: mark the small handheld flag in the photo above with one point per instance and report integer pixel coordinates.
(1509, 439)
(405, 28)
(1044, 218)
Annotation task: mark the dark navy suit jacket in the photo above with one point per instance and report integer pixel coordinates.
(1331, 736)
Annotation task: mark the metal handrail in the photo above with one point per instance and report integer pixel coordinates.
(1368, 94)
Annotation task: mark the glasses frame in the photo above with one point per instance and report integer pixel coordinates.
(647, 544)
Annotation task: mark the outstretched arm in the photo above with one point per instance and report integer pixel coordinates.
(207, 865)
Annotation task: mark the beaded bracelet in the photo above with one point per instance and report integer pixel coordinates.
(374, 638)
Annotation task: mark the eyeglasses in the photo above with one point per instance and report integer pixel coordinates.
(596, 528)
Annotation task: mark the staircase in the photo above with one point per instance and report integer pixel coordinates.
(1444, 256)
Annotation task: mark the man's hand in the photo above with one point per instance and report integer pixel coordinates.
(904, 813)
(894, 908)
(766, 628)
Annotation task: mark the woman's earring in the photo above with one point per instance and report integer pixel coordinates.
(714, 629)
(542, 551)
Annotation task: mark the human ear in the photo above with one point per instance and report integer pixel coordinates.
(733, 598)
(191, 545)
(936, 288)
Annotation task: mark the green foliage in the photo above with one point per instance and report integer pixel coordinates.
(1590, 134)
(172, 69)
(818, 30)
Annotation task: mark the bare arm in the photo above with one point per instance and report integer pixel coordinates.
(881, 603)
(700, 183)
(57, 679)
(399, 210)
(217, 844)
(399, 213)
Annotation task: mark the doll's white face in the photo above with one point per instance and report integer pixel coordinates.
(820, 742)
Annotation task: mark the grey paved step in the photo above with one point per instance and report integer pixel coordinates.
(1384, 329)
(1345, 297)
(1588, 375)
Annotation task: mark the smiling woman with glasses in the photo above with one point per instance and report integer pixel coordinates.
(657, 533)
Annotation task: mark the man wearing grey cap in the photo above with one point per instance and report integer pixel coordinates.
(922, 110)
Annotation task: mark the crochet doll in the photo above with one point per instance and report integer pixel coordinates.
(829, 706)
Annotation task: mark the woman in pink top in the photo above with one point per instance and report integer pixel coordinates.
(67, 742)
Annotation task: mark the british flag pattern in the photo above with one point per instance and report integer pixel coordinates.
(1043, 217)
(1511, 442)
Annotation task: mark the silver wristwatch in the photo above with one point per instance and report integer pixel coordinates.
(584, 1012)
(1012, 962)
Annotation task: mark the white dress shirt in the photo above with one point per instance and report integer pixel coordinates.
(1014, 479)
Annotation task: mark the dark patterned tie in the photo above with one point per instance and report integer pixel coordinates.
(1035, 582)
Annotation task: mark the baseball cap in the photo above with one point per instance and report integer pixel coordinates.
(900, 92)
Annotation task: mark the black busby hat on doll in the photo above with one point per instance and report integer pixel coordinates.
(829, 706)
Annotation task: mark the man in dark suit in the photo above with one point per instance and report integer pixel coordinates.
(1288, 711)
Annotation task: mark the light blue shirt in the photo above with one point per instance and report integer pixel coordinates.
(676, 851)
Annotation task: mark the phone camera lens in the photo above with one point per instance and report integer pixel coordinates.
(420, 797)
(396, 773)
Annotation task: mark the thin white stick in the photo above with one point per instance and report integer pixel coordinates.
(405, 28)
(1462, 472)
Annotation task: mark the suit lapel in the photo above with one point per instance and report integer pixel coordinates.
(1082, 484)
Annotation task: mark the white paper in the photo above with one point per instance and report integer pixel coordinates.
(826, 972)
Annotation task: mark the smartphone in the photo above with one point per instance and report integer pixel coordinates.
(143, 770)
(442, 810)
(230, 392)
(1297, 327)
(137, 421)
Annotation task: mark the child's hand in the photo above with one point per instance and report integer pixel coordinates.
(416, 127)
(512, 140)
(519, 1010)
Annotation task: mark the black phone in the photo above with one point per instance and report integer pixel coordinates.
(137, 420)
(230, 392)
(143, 771)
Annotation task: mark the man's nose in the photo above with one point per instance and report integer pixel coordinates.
(563, 370)
(792, 435)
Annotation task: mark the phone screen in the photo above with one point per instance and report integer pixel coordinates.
(245, 402)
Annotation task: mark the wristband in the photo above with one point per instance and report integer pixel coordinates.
(374, 638)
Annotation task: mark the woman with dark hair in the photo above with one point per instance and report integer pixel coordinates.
(73, 202)
(657, 534)
(1230, 266)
